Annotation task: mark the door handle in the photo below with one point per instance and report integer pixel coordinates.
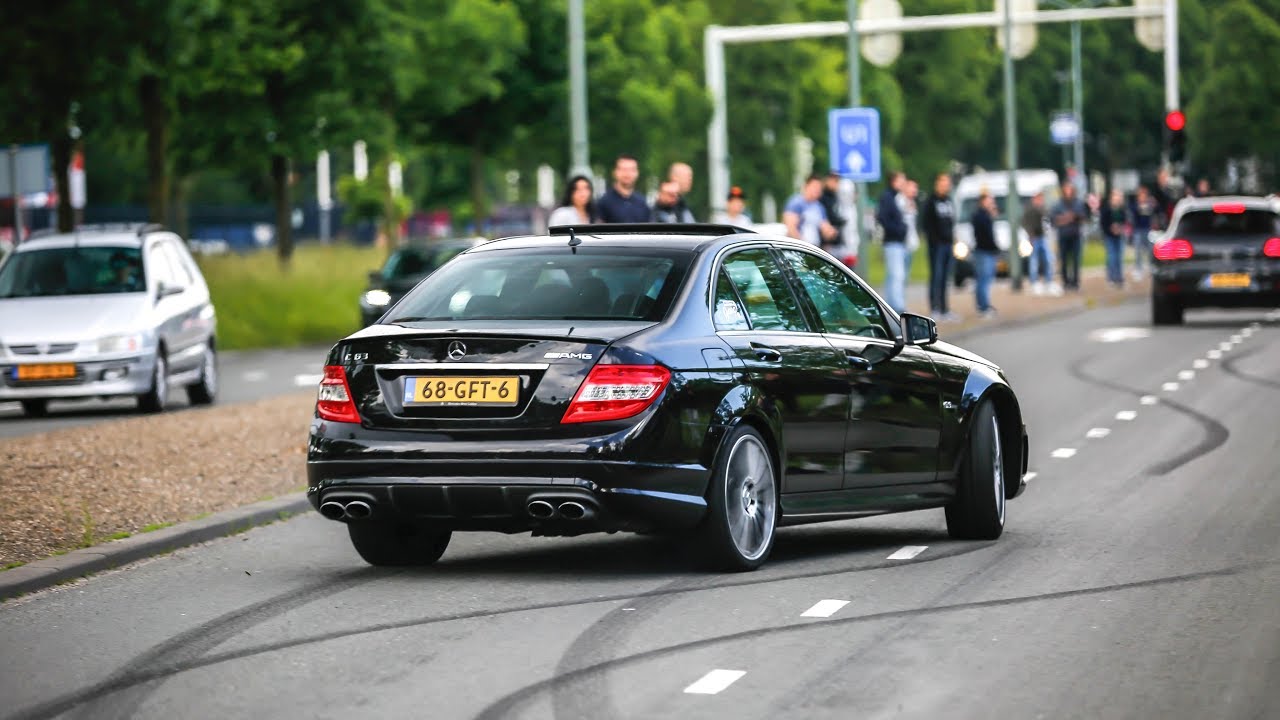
(766, 353)
(858, 362)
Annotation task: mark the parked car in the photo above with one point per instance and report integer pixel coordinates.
(653, 378)
(105, 312)
(970, 188)
(1220, 252)
(404, 268)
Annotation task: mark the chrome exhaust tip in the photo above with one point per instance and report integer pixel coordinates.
(358, 510)
(541, 509)
(332, 510)
(572, 510)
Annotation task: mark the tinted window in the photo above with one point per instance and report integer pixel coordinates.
(550, 283)
(72, 271)
(759, 281)
(728, 312)
(844, 306)
(412, 262)
(1207, 223)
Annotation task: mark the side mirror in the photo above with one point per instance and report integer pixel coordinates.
(918, 330)
(164, 290)
(375, 278)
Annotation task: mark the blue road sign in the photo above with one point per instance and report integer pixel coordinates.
(1064, 128)
(854, 135)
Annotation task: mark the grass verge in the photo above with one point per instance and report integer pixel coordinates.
(314, 300)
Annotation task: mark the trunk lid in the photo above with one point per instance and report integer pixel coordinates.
(476, 374)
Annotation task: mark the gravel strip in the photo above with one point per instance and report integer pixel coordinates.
(80, 486)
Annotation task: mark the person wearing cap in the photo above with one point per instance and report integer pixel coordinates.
(734, 212)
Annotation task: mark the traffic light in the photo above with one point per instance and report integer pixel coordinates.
(1175, 135)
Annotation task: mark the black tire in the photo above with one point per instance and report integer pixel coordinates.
(35, 408)
(205, 390)
(742, 504)
(156, 399)
(398, 544)
(978, 510)
(1165, 311)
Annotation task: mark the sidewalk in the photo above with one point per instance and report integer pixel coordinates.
(1015, 308)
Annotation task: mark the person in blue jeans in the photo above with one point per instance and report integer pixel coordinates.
(1114, 220)
(889, 215)
(985, 252)
(1145, 212)
(1041, 270)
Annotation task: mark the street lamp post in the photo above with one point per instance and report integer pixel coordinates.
(1077, 81)
(580, 154)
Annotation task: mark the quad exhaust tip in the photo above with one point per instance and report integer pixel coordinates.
(541, 509)
(572, 510)
(333, 510)
(358, 510)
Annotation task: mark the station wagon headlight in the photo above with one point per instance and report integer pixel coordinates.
(961, 251)
(130, 342)
(377, 298)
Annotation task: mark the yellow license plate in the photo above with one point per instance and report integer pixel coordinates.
(56, 371)
(456, 390)
(1229, 280)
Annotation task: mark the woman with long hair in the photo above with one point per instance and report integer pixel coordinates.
(577, 206)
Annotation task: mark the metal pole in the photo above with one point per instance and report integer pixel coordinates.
(718, 129)
(1077, 105)
(855, 100)
(17, 194)
(1011, 138)
(579, 150)
(1171, 99)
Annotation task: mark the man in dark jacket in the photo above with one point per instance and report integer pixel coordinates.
(621, 203)
(1069, 217)
(985, 251)
(939, 221)
(831, 203)
(889, 215)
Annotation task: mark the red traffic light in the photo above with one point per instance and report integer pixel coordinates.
(1175, 120)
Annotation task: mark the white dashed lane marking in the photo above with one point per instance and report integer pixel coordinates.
(1063, 453)
(715, 681)
(1237, 338)
(1126, 415)
(824, 608)
(1149, 400)
(1029, 476)
(1097, 433)
(1187, 375)
(1224, 346)
(255, 376)
(305, 379)
(1214, 355)
(1200, 364)
(1169, 387)
(908, 552)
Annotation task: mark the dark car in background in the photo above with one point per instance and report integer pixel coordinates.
(1221, 252)
(406, 267)
(653, 378)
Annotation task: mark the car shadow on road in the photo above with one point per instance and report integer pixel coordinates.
(624, 556)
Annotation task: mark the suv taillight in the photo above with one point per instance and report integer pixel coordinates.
(1176, 249)
(333, 400)
(1271, 248)
(615, 392)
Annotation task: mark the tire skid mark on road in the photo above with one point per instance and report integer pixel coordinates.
(141, 674)
(1215, 433)
(504, 706)
(1229, 367)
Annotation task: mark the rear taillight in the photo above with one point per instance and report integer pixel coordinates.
(1271, 248)
(614, 392)
(333, 401)
(1176, 249)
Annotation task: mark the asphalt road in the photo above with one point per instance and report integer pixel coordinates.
(244, 375)
(1139, 576)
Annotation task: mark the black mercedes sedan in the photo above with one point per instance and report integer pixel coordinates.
(699, 379)
(1221, 252)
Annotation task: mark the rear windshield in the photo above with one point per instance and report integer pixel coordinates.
(72, 271)
(549, 283)
(1205, 223)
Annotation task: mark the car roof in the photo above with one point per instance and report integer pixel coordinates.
(66, 240)
(997, 183)
(693, 238)
(1207, 203)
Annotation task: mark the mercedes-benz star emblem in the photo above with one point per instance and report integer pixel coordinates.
(457, 350)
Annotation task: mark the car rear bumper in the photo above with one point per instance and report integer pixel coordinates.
(94, 378)
(1189, 283)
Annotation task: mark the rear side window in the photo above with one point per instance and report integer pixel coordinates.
(1208, 224)
(769, 301)
(550, 284)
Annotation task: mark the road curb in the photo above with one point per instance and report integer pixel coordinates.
(58, 569)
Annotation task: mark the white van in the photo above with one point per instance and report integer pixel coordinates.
(966, 195)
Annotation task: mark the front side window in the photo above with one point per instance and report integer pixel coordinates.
(72, 271)
(770, 304)
(844, 306)
(549, 284)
